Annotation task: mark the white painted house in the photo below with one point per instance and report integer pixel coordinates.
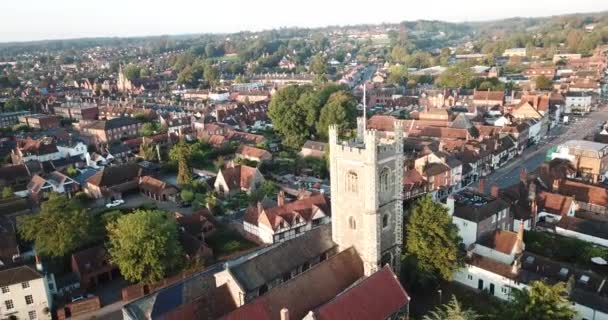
(24, 294)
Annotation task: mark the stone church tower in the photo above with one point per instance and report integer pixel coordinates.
(367, 195)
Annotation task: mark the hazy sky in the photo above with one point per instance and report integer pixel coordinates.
(22, 20)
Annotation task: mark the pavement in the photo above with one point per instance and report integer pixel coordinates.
(534, 156)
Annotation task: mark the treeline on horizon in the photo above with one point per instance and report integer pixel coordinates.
(520, 32)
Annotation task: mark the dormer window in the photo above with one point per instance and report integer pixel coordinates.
(584, 279)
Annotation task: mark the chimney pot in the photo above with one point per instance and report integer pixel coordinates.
(494, 190)
(281, 198)
(482, 185)
(284, 314)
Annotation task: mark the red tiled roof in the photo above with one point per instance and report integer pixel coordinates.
(382, 123)
(376, 297)
(239, 177)
(501, 240)
(554, 203)
(584, 192)
(253, 152)
(492, 265)
(489, 95)
(312, 288)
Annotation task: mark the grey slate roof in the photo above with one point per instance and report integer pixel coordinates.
(272, 264)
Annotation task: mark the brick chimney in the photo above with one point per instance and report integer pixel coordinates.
(494, 190)
(482, 185)
(281, 199)
(519, 245)
(39, 266)
(284, 314)
(555, 186)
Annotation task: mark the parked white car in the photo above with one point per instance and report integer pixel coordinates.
(115, 203)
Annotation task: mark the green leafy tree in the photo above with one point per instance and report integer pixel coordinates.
(7, 192)
(341, 110)
(132, 72)
(147, 151)
(397, 75)
(267, 189)
(288, 119)
(458, 76)
(453, 310)
(150, 128)
(309, 101)
(318, 67)
(59, 229)
(210, 200)
(432, 240)
(542, 302)
(71, 171)
(211, 75)
(16, 104)
(187, 195)
(542, 83)
(145, 245)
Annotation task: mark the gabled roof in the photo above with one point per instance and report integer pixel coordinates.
(253, 152)
(304, 208)
(583, 192)
(593, 228)
(110, 176)
(312, 288)
(554, 203)
(461, 122)
(17, 275)
(377, 297)
(382, 123)
(489, 95)
(500, 240)
(272, 264)
(315, 145)
(474, 206)
(238, 177)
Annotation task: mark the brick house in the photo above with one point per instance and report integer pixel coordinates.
(105, 131)
(110, 182)
(93, 266)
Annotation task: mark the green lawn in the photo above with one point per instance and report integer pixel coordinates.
(225, 242)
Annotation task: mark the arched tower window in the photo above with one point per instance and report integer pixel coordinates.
(352, 182)
(385, 179)
(352, 223)
(385, 221)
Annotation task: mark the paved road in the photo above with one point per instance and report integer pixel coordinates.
(534, 156)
